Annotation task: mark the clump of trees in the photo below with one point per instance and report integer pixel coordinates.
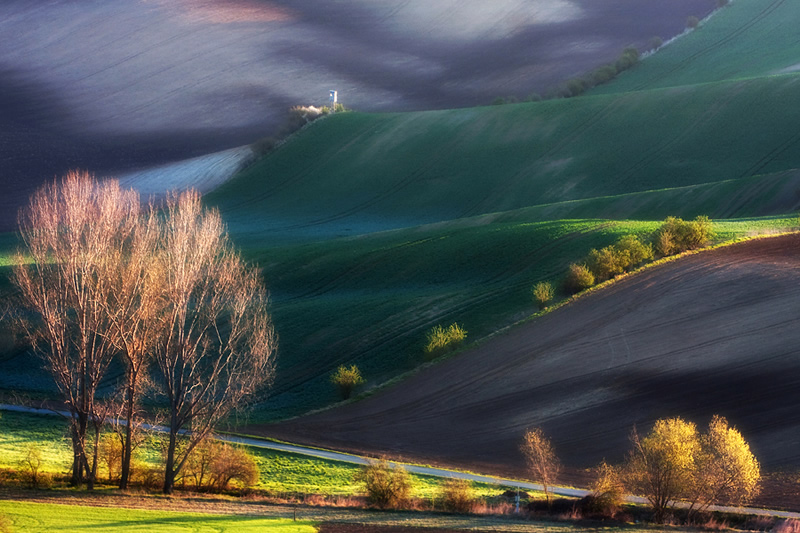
(347, 379)
(386, 486)
(441, 340)
(675, 462)
(106, 280)
(674, 236)
(677, 235)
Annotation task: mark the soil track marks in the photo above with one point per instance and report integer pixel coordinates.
(713, 333)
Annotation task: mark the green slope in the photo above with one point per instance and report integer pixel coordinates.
(746, 39)
(355, 173)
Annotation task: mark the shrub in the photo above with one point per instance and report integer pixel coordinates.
(676, 235)
(31, 467)
(543, 292)
(722, 3)
(233, 464)
(627, 59)
(110, 455)
(347, 379)
(442, 340)
(692, 22)
(655, 42)
(633, 251)
(214, 465)
(605, 263)
(608, 493)
(579, 278)
(604, 74)
(386, 487)
(458, 496)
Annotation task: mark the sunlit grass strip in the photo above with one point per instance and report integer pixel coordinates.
(280, 473)
(26, 516)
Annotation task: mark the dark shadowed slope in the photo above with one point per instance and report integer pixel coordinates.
(112, 86)
(713, 333)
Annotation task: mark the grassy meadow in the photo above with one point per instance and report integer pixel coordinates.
(281, 474)
(28, 516)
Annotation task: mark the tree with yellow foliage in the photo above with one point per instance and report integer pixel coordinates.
(661, 465)
(675, 462)
(726, 469)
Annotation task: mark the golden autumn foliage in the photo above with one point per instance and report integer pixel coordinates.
(675, 462)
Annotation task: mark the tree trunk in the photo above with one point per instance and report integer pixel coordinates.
(169, 471)
(127, 445)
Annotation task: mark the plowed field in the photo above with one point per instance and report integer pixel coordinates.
(713, 333)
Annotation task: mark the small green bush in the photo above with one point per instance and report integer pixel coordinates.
(692, 22)
(579, 278)
(442, 340)
(605, 263)
(543, 292)
(386, 487)
(347, 379)
(458, 496)
(632, 251)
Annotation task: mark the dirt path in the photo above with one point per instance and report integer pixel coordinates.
(714, 333)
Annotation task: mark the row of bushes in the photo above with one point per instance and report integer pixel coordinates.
(674, 236)
(390, 487)
(627, 59)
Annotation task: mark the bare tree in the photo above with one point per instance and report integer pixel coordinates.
(218, 342)
(135, 308)
(74, 233)
(542, 459)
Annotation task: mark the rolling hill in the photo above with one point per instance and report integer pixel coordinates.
(371, 228)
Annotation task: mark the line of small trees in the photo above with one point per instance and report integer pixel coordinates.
(102, 278)
(628, 58)
(674, 236)
(673, 464)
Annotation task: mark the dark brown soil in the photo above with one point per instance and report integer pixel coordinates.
(713, 333)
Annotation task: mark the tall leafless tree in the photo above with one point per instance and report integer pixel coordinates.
(74, 233)
(135, 307)
(218, 343)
